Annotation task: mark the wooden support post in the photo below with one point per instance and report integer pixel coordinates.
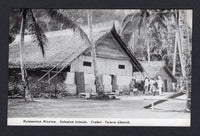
(50, 71)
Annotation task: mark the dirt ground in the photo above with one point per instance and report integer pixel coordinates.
(72, 107)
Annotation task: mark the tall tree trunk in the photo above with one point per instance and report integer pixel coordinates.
(27, 94)
(131, 43)
(180, 50)
(175, 51)
(148, 46)
(182, 56)
(174, 59)
(188, 41)
(148, 38)
(148, 50)
(98, 82)
(21, 45)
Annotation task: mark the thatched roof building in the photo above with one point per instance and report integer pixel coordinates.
(67, 46)
(64, 44)
(159, 68)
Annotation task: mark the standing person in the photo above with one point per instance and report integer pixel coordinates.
(132, 85)
(160, 85)
(152, 86)
(155, 87)
(146, 85)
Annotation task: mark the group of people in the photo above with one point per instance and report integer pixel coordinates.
(153, 86)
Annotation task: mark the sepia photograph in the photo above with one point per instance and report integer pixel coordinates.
(99, 67)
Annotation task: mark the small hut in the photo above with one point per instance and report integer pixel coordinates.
(158, 68)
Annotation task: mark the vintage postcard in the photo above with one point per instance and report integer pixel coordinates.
(92, 67)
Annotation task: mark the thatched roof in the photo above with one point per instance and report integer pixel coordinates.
(156, 68)
(61, 45)
(133, 60)
(113, 40)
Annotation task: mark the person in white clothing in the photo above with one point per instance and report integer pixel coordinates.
(152, 89)
(146, 85)
(160, 85)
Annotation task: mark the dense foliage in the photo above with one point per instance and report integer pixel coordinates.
(156, 29)
(49, 24)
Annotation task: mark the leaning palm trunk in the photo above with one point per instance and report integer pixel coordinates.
(148, 50)
(182, 61)
(27, 94)
(174, 59)
(180, 46)
(38, 37)
(98, 82)
(21, 45)
(181, 56)
(147, 41)
(147, 44)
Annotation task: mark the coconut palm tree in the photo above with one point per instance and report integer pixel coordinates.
(93, 53)
(180, 46)
(28, 21)
(183, 59)
(148, 20)
(68, 23)
(176, 16)
(134, 21)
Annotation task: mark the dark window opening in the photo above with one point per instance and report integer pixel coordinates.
(121, 66)
(86, 63)
(67, 69)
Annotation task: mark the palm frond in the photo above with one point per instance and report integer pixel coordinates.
(156, 34)
(143, 19)
(163, 19)
(154, 29)
(39, 36)
(127, 19)
(130, 22)
(68, 23)
(160, 20)
(175, 15)
(158, 40)
(129, 26)
(12, 32)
